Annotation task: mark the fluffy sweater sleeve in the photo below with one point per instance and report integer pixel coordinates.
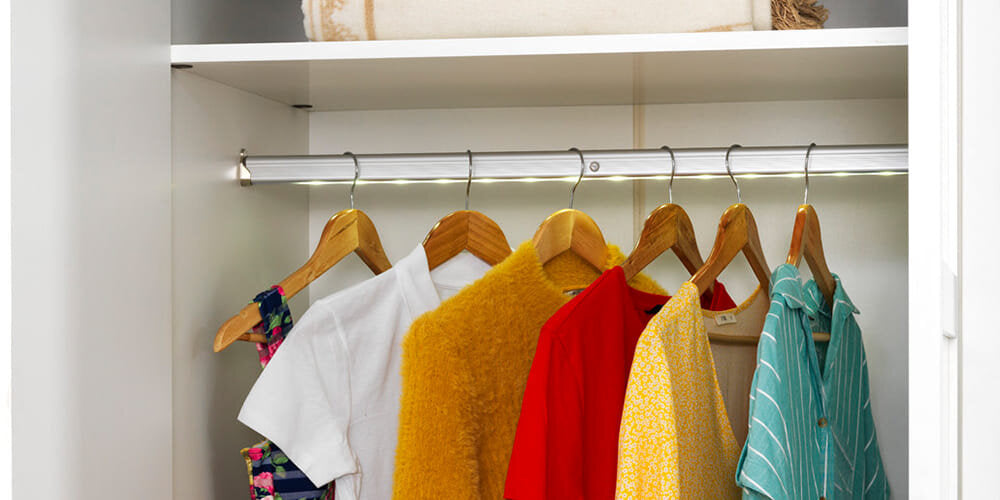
(427, 413)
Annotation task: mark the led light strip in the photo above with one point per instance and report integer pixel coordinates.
(614, 165)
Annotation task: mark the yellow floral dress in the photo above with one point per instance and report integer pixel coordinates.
(675, 440)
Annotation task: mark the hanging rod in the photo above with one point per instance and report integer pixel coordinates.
(644, 163)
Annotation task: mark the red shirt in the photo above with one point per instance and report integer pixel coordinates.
(567, 436)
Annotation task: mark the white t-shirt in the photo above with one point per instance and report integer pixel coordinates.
(330, 396)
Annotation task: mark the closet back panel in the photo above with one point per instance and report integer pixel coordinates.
(229, 243)
(864, 217)
(91, 249)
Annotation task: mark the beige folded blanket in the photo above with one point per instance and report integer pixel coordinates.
(328, 20)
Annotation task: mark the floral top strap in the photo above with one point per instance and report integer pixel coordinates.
(276, 321)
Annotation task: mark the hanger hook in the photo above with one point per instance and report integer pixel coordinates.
(805, 200)
(357, 174)
(729, 170)
(673, 171)
(468, 184)
(583, 168)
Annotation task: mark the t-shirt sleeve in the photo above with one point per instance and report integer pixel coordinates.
(290, 402)
(545, 462)
(436, 449)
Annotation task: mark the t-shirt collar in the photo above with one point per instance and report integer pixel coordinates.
(415, 282)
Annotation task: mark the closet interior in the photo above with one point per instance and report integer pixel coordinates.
(243, 83)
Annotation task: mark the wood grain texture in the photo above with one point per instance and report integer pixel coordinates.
(668, 227)
(466, 230)
(737, 234)
(348, 231)
(807, 242)
(574, 231)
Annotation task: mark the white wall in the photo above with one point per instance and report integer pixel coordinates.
(229, 243)
(91, 249)
(236, 21)
(864, 218)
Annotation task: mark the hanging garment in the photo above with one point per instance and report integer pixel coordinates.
(330, 396)
(675, 440)
(464, 370)
(812, 434)
(274, 477)
(567, 437)
(276, 321)
(272, 474)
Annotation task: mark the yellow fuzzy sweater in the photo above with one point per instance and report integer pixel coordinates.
(465, 366)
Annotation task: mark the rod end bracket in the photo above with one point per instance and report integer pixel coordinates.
(242, 172)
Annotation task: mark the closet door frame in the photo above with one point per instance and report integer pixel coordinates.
(954, 185)
(6, 284)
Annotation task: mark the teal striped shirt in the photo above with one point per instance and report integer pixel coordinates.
(811, 435)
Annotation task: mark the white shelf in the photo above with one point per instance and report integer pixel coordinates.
(570, 70)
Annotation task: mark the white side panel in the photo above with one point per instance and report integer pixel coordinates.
(91, 232)
(6, 491)
(229, 243)
(933, 219)
(404, 214)
(980, 187)
(863, 220)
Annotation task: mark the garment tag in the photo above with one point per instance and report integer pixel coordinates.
(725, 319)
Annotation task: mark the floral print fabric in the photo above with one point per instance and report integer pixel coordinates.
(272, 475)
(675, 441)
(276, 321)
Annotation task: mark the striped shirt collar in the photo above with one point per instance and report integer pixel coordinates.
(816, 303)
(785, 282)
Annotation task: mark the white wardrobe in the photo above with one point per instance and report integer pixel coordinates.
(132, 240)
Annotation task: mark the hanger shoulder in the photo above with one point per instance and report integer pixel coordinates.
(466, 230)
(668, 227)
(486, 239)
(346, 232)
(737, 234)
(571, 230)
(754, 253)
(807, 242)
(370, 248)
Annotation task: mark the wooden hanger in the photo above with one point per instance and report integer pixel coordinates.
(806, 242)
(668, 227)
(348, 231)
(737, 234)
(571, 230)
(466, 230)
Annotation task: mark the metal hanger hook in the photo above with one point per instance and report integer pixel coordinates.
(673, 172)
(468, 184)
(805, 199)
(583, 169)
(729, 170)
(357, 174)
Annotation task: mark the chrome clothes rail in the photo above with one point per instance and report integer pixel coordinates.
(646, 163)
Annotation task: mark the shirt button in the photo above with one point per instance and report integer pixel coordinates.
(822, 423)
